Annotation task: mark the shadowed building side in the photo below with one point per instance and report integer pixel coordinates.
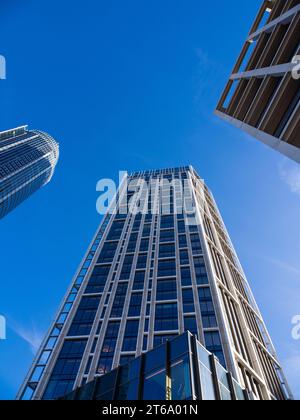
(262, 96)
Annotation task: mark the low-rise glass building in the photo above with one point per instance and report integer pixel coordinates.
(180, 369)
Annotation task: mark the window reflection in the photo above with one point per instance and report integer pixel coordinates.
(155, 386)
(207, 385)
(181, 380)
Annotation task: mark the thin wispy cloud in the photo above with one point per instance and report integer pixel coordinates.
(209, 72)
(31, 334)
(283, 265)
(290, 174)
(291, 367)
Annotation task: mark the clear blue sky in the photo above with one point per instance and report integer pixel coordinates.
(129, 85)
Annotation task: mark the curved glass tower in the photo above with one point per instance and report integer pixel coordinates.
(27, 162)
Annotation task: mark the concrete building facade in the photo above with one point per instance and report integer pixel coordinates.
(262, 96)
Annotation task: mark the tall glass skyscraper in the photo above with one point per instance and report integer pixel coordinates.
(27, 162)
(149, 275)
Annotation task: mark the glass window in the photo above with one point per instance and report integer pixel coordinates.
(166, 250)
(200, 271)
(196, 244)
(105, 386)
(188, 301)
(181, 380)
(155, 386)
(148, 217)
(131, 334)
(139, 280)
(207, 384)
(124, 360)
(209, 321)
(130, 370)
(161, 339)
(181, 226)
(184, 257)
(58, 388)
(238, 390)
(67, 367)
(167, 236)
(186, 279)
(80, 328)
(223, 383)
(135, 304)
(166, 268)
(207, 308)
(94, 345)
(112, 330)
(204, 294)
(212, 339)
(179, 346)
(73, 348)
(126, 269)
(137, 223)
(103, 312)
(108, 252)
(118, 305)
(104, 365)
(166, 317)
(65, 370)
(132, 242)
(84, 317)
(166, 289)
(190, 324)
(99, 327)
(182, 241)
(167, 222)
(108, 347)
(155, 359)
(147, 230)
(289, 109)
(85, 393)
(142, 261)
(116, 230)
(214, 345)
(146, 328)
(120, 216)
(89, 302)
(145, 343)
(220, 356)
(144, 245)
(128, 391)
(98, 279)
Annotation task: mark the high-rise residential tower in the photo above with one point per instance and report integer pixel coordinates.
(154, 270)
(262, 96)
(27, 162)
